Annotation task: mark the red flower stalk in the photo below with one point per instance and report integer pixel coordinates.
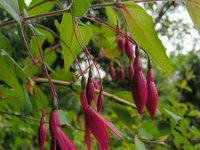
(58, 139)
(152, 94)
(41, 133)
(129, 50)
(131, 69)
(95, 124)
(112, 70)
(139, 86)
(90, 89)
(121, 73)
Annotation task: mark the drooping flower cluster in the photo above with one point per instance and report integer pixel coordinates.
(127, 47)
(139, 85)
(143, 89)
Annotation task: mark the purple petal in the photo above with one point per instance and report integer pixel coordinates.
(107, 123)
(63, 141)
(96, 127)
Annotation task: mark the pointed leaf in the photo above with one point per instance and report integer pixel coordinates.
(78, 7)
(27, 106)
(11, 7)
(139, 144)
(193, 7)
(142, 29)
(67, 34)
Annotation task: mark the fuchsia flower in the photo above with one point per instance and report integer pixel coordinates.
(112, 70)
(152, 94)
(139, 86)
(58, 139)
(95, 124)
(41, 133)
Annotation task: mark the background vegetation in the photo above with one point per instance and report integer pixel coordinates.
(177, 122)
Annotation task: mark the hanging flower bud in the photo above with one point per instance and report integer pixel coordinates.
(41, 133)
(112, 70)
(131, 69)
(139, 86)
(121, 44)
(152, 94)
(90, 88)
(174, 3)
(100, 101)
(120, 40)
(121, 73)
(129, 49)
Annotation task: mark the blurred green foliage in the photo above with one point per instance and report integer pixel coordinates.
(177, 122)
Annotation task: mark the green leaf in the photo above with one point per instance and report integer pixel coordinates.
(5, 44)
(27, 106)
(11, 97)
(62, 118)
(193, 7)
(11, 7)
(173, 115)
(110, 53)
(36, 45)
(67, 34)
(8, 75)
(47, 34)
(139, 144)
(22, 5)
(142, 28)
(145, 134)
(62, 75)
(124, 95)
(112, 16)
(79, 8)
(40, 6)
(50, 56)
(123, 113)
(14, 65)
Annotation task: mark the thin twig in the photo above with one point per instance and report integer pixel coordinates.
(60, 12)
(20, 116)
(109, 95)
